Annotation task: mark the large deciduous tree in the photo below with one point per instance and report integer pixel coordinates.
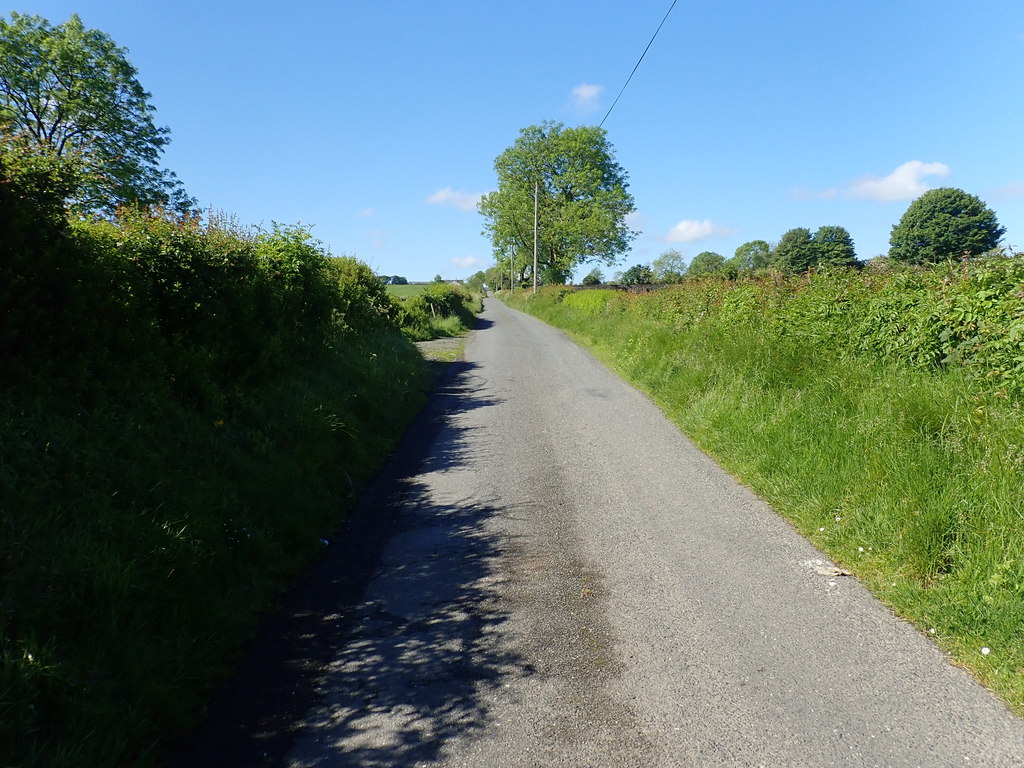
(944, 223)
(833, 246)
(582, 201)
(706, 263)
(670, 267)
(752, 255)
(795, 252)
(70, 92)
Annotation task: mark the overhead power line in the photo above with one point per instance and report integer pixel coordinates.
(638, 63)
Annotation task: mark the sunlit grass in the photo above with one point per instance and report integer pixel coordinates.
(911, 479)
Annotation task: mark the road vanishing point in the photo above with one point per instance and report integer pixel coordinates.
(553, 575)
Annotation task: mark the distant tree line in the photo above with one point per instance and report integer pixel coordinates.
(942, 224)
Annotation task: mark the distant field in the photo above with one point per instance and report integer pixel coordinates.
(405, 291)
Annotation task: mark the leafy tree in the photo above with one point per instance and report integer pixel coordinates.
(639, 274)
(581, 198)
(706, 263)
(70, 92)
(833, 246)
(669, 267)
(438, 278)
(594, 277)
(398, 280)
(476, 281)
(944, 223)
(750, 256)
(795, 252)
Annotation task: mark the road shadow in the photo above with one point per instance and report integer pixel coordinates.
(398, 614)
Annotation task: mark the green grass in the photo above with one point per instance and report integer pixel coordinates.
(147, 536)
(407, 291)
(909, 477)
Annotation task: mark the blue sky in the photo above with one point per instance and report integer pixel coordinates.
(377, 121)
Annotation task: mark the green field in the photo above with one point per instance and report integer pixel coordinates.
(407, 291)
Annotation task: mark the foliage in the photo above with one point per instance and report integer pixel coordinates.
(638, 274)
(187, 409)
(593, 277)
(833, 247)
(795, 252)
(750, 256)
(476, 282)
(706, 263)
(944, 223)
(69, 92)
(581, 199)
(438, 310)
(881, 412)
(799, 250)
(398, 280)
(669, 267)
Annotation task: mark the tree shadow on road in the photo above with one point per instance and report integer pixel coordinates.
(389, 640)
(425, 646)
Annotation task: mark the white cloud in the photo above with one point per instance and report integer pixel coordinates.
(905, 183)
(691, 230)
(585, 96)
(464, 201)
(366, 213)
(466, 262)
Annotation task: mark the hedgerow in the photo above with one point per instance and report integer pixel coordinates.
(186, 408)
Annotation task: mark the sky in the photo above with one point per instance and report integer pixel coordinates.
(377, 122)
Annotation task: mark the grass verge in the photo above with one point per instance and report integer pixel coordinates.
(909, 478)
(142, 537)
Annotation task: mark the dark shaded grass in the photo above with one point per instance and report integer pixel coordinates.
(142, 536)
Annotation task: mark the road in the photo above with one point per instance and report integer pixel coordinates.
(567, 581)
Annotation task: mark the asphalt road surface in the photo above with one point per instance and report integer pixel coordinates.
(566, 581)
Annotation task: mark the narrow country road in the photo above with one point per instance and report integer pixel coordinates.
(570, 582)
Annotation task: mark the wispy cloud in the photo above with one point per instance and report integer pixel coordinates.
(464, 201)
(377, 238)
(466, 262)
(584, 97)
(692, 230)
(905, 183)
(1009, 191)
(366, 213)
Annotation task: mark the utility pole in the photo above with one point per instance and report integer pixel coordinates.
(536, 192)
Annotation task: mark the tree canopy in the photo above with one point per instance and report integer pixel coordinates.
(795, 251)
(638, 274)
(706, 263)
(71, 93)
(799, 250)
(582, 201)
(670, 267)
(944, 223)
(752, 255)
(833, 246)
